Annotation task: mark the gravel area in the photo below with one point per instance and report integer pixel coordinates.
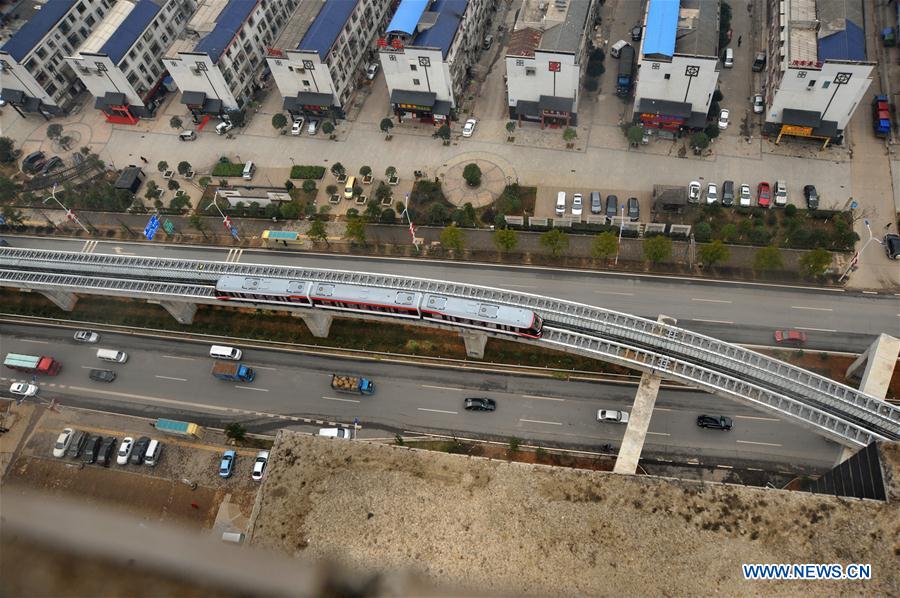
(492, 527)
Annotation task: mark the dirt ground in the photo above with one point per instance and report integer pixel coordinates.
(492, 527)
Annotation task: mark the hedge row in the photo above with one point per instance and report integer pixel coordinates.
(228, 169)
(300, 171)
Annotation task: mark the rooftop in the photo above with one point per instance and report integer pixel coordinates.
(446, 17)
(698, 28)
(523, 42)
(561, 23)
(121, 28)
(802, 25)
(661, 27)
(841, 30)
(297, 25)
(323, 32)
(407, 16)
(40, 22)
(230, 20)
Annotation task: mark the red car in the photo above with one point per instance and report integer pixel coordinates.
(764, 195)
(790, 337)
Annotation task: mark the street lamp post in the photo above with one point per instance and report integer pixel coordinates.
(226, 220)
(621, 225)
(69, 213)
(859, 253)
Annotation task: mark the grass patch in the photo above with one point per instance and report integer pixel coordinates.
(300, 171)
(228, 169)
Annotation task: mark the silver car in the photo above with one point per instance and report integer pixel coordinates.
(86, 336)
(612, 416)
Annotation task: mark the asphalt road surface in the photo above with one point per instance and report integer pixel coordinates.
(170, 378)
(835, 320)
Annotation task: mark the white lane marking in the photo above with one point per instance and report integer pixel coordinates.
(614, 293)
(171, 378)
(438, 411)
(712, 321)
(121, 251)
(659, 433)
(87, 367)
(175, 357)
(148, 398)
(338, 399)
(724, 466)
(542, 398)
(519, 286)
(661, 409)
(811, 308)
(765, 419)
(760, 443)
(252, 388)
(537, 421)
(817, 329)
(870, 292)
(28, 340)
(260, 367)
(444, 388)
(754, 469)
(710, 300)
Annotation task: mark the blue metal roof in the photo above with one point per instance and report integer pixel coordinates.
(662, 24)
(849, 44)
(227, 25)
(441, 34)
(407, 16)
(328, 24)
(32, 32)
(130, 30)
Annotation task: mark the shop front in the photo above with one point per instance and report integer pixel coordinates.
(316, 105)
(421, 106)
(201, 106)
(807, 124)
(664, 115)
(115, 107)
(556, 112)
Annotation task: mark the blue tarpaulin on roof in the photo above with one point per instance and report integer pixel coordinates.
(441, 34)
(130, 30)
(849, 44)
(36, 28)
(227, 25)
(662, 24)
(328, 24)
(407, 16)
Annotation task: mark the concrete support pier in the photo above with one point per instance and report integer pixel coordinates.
(318, 323)
(879, 359)
(63, 300)
(182, 312)
(475, 342)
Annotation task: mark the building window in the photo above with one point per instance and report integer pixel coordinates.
(413, 67)
(392, 58)
(41, 53)
(667, 76)
(416, 82)
(801, 75)
(520, 63)
(530, 71)
(305, 83)
(812, 83)
(654, 66)
(826, 84)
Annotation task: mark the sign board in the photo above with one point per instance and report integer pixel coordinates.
(853, 205)
(152, 227)
(796, 131)
(168, 226)
(554, 67)
(2, 220)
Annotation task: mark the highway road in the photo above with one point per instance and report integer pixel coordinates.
(170, 378)
(745, 313)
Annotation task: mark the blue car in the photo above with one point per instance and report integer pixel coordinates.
(226, 467)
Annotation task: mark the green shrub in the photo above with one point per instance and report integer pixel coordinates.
(790, 211)
(229, 169)
(300, 171)
(703, 232)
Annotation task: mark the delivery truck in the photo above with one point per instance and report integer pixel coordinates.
(32, 364)
(235, 371)
(352, 384)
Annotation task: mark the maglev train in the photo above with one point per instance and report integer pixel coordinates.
(470, 313)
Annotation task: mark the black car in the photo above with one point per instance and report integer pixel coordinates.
(728, 194)
(79, 439)
(636, 32)
(479, 404)
(106, 450)
(634, 209)
(102, 375)
(139, 450)
(52, 164)
(759, 62)
(714, 422)
(92, 448)
(612, 207)
(31, 160)
(812, 197)
(892, 246)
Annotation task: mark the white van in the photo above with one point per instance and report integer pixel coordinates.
(233, 537)
(112, 355)
(335, 433)
(349, 186)
(187, 135)
(616, 48)
(249, 169)
(729, 58)
(154, 452)
(223, 352)
(561, 203)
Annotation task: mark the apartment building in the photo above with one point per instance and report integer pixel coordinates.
(321, 55)
(428, 47)
(816, 68)
(121, 62)
(546, 60)
(34, 76)
(218, 61)
(678, 65)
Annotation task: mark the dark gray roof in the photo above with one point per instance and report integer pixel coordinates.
(307, 98)
(111, 98)
(651, 106)
(418, 98)
(555, 103)
(193, 98)
(698, 28)
(567, 36)
(442, 107)
(801, 118)
(832, 14)
(527, 108)
(130, 179)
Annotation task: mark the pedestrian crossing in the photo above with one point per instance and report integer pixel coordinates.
(234, 255)
(89, 246)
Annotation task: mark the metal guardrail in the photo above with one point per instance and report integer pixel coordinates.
(647, 335)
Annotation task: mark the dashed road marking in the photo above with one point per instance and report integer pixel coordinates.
(811, 308)
(438, 411)
(443, 388)
(541, 398)
(759, 443)
(176, 357)
(340, 399)
(659, 433)
(251, 388)
(710, 300)
(712, 321)
(538, 421)
(765, 419)
(816, 329)
(172, 378)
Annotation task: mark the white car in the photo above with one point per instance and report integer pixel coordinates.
(694, 192)
(723, 118)
(297, 126)
(712, 193)
(469, 127)
(86, 336)
(335, 433)
(124, 450)
(744, 197)
(23, 389)
(223, 127)
(577, 204)
(616, 417)
(259, 466)
(781, 198)
(758, 104)
(371, 71)
(62, 443)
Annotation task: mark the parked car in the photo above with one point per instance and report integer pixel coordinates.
(62, 443)
(636, 33)
(612, 416)
(892, 246)
(86, 336)
(479, 404)
(52, 164)
(297, 125)
(633, 209)
(596, 202)
(790, 337)
(712, 193)
(759, 62)
(125, 450)
(728, 194)
(226, 466)
(371, 71)
(469, 127)
(23, 389)
(759, 104)
(223, 127)
(313, 127)
(92, 449)
(694, 192)
(106, 450)
(139, 450)
(612, 207)
(102, 375)
(764, 195)
(812, 197)
(723, 118)
(31, 161)
(259, 466)
(744, 197)
(780, 194)
(714, 422)
(577, 204)
(79, 439)
(343, 433)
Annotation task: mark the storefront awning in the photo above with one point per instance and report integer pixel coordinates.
(211, 106)
(664, 107)
(110, 99)
(13, 96)
(415, 98)
(696, 121)
(828, 129)
(555, 104)
(441, 107)
(801, 118)
(193, 98)
(305, 98)
(526, 108)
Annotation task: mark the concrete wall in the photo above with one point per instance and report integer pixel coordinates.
(814, 89)
(653, 84)
(402, 71)
(528, 78)
(211, 82)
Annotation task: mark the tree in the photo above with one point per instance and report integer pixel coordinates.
(356, 231)
(327, 127)
(595, 69)
(204, 182)
(65, 141)
(153, 191)
(714, 253)
(184, 167)
(54, 131)
(279, 121)
(173, 185)
(635, 134)
(289, 185)
(291, 209)
(390, 172)
(472, 174)
(604, 245)
(7, 187)
(555, 241)
(7, 150)
(712, 130)
(657, 249)
(767, 258)
(717, 96)
(235, 431)
(373, 211)
(365, 171)
(815, 262)
(197, 223)
(728, 232)
(317, 232)
(702, 232)
(12, 215)
(506, 239)
(388, 216)
(511, 127)
(176, 123)
(309, 186)
(338, 170)
(162, 166)
(452, 238)
(700, 140)
(443, 132)
(386, 125)
(569, 134)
